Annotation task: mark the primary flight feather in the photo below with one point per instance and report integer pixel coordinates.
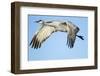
(49, 27)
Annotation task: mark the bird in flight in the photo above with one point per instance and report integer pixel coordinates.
(49, 27)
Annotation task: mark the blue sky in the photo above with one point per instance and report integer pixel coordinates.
(55, 48)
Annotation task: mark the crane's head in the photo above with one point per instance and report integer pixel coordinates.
(39, 21)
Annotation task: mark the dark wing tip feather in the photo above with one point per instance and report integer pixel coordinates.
(35, 43)
(70, 42)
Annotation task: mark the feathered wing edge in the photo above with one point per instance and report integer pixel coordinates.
(44, 33)
(71, 41)
(35, 42)
(72, 37)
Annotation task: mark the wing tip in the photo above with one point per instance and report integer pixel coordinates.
(70, 42)
(35, 43)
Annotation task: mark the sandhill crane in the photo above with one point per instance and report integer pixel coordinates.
(49, 27)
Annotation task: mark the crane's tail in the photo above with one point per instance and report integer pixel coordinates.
(81, 37)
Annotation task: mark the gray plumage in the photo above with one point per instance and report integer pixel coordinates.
(49, 27)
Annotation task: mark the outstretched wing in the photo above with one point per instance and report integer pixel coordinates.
(72, 36)
(41, 36)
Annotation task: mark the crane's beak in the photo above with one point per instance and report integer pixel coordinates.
(35, 21)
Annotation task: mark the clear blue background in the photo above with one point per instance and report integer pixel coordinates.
(55, 48)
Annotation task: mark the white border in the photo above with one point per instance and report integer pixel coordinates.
(24, 64)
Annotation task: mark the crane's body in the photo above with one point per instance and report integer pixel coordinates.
(59, 25)
(49, 27)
